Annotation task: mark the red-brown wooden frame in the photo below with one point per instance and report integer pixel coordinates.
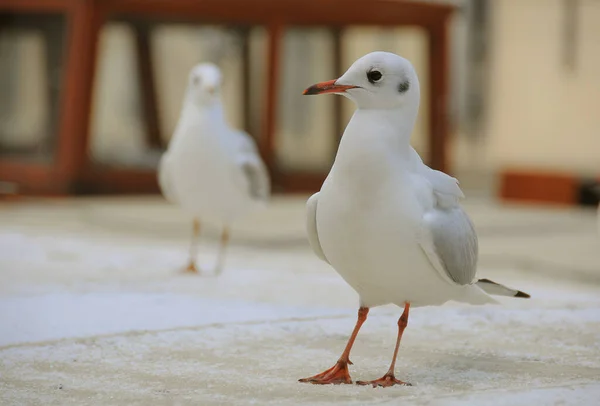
(71, 168)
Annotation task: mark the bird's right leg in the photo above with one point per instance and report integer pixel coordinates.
(192, 268)
(339, 372)
(389, 379)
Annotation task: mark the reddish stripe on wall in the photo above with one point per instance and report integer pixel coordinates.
(539, 187)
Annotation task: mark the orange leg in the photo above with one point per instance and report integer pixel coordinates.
(222, 250)
(192, 268)
(338, 373)
(389, 379)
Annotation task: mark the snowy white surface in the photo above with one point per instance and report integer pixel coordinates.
(93, 310)
(54, 316)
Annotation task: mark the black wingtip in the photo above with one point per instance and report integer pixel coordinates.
(520, 294)
(523, 295)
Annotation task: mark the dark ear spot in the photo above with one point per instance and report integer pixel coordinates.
(404, 86)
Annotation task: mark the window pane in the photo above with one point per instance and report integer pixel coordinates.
(117, 134)
(305, 125)
(31, 64)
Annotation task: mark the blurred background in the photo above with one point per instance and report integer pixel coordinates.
(92, 303)
(89, 108)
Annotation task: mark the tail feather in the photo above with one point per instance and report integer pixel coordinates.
(493, 288)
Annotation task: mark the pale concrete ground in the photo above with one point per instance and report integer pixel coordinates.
(93, 311)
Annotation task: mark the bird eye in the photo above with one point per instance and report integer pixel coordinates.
(196, 80)
(374, 76)
(404, 86)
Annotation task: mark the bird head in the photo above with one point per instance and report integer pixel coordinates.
(379, 80)
(204, 84)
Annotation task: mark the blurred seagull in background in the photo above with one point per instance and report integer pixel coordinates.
(391, 226)
(210, 170)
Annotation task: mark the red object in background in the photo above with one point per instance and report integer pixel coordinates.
(539, 186)
(71, 170)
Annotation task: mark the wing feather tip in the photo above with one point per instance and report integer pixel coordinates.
(523, 295)
(502, 290)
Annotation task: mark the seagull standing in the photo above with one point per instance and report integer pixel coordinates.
(209, 169)
(391, 226)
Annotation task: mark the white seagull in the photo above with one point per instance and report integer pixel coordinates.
(391, 226)
(210, 170)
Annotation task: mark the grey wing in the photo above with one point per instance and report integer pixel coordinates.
(257, 177)
(450, 242)
(252, 167)
(311, 226)
(244, 142)
(165, 178)
(445, 188)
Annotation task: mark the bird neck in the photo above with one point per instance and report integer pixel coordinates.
(388, 128)
(212, 110)
(375, 141)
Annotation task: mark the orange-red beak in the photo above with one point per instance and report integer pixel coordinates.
(327, 87)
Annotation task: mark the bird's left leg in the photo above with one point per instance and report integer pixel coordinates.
(338, 373)
(192, 267)
(389, 379)
(222, 251)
